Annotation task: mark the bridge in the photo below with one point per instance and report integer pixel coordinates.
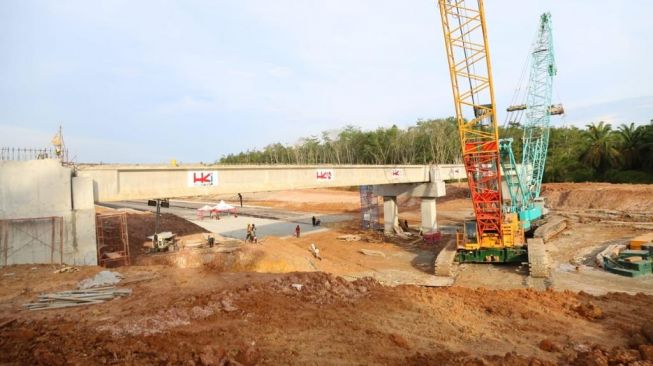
(130, 182)
(43, 199)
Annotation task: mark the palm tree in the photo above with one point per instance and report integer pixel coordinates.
(631, 144)
(601, 152)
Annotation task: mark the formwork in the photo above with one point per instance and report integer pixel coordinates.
(112, 239)
(32, 240)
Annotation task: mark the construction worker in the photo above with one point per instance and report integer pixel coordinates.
(249, 233)
(297, 230)
(313, 219)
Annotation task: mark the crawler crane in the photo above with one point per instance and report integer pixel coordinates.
(493, 236)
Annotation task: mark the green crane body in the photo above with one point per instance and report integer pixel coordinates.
(525, 183)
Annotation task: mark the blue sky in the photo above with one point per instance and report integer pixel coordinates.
(149, 81)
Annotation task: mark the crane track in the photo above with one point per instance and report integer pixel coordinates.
(538, 259)
(444, 261)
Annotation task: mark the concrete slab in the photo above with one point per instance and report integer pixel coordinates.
(236, 227)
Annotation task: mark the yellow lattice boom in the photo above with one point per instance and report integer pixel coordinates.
(468, 55)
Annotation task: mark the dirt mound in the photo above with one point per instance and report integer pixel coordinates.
(141, 225)
(623, 197)
(308, 318)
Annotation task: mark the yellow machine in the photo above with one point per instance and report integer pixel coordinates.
(491, 236)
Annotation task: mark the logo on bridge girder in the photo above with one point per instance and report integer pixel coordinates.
(396, 173)
(202, 178)
(325, 175)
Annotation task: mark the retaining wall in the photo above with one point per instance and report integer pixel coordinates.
(35, 196)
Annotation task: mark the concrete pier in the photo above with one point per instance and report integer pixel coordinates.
(426, 191)
(390, 214)
(428, 209)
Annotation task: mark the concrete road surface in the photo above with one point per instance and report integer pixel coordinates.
(268, 221)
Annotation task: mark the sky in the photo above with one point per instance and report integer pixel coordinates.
(150, 81)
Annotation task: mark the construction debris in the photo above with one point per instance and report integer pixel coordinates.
(138, 279)
(610, 251)
(66, 299)
(104, 278)
(349, 237)
(66, 269)
(374, 253)
(630, 263)
(315, 251)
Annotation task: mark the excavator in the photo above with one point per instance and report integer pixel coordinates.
(496, 234)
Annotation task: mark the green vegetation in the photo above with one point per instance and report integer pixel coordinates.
(596, 153)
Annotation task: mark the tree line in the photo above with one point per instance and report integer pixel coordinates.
(594, 153)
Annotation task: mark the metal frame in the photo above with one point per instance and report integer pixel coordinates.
(112, 236)
(524, 184)
(370, 206)
(538, 113)
(465, 37)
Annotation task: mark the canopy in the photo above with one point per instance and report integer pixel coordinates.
(222, 206)
(205, 208)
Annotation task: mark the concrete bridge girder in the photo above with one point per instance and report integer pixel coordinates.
(129, 182)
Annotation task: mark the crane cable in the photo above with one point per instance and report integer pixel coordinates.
(520, 94)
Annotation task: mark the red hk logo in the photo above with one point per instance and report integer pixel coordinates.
(324, 175)
(204, 178)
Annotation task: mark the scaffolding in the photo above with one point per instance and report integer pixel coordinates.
(369, 208)
(112, 239)
(32, 240)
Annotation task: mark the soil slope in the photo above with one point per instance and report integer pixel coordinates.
(216, 318)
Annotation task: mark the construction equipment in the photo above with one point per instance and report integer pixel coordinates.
(491, 236)
(524, 183)
(163, 242)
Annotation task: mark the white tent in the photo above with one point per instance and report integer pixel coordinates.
(222, 206)
(205, 208)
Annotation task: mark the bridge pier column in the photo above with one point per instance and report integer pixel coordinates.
(390, 214)
(428, 207)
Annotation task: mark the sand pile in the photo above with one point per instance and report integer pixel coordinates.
(622, 197)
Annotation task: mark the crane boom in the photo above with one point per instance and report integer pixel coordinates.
(539, 110)
(465, 37)
(493, 236)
